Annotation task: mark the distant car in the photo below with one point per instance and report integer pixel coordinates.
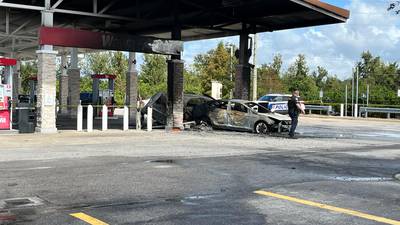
(277, 102)
(159, 104)
(241, 115)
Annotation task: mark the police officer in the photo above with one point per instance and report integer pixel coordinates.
(294, 111)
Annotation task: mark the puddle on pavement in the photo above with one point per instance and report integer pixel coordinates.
(163, 163)
(191, 200)
(363, 179)
(169, 161)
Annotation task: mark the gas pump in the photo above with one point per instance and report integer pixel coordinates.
(6, 69)
(103, 97)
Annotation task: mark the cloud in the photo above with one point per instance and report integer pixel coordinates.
(335, 47)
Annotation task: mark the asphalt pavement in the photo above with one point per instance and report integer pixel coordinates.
(337, 172)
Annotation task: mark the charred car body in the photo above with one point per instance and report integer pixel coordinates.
(240, 115)
(159, 104)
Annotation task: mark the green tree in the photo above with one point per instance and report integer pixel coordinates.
(216, 65)
(334, 89)
(192, 82)
(320, 77)
(110, 62)
(28, 70)
(269, 77)
(297, 76)
(383, 79)
(153, 75)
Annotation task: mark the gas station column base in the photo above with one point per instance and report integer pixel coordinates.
(131, 93)
(46, 92)
(63, 94)
(242, 82)
(175, 95)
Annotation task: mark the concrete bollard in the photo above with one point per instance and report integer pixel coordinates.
(126, 119)
(341, 110)
(149, 119)
(355, 110)
(139, 120)
(89, 118)
(79, 118)
(104, 118)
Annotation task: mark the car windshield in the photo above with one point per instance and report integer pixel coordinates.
(268, 98)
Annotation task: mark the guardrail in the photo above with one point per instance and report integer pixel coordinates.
(389, 111)
(320, 108)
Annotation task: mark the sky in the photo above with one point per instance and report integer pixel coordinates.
(336, 47)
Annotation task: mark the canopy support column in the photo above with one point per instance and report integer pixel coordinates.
(46, 87)
(74, 76)
(243, 70)
(132, 87)
(64, 85)
(175, 79)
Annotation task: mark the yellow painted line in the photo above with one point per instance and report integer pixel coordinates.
(331, 208)
(88, 219)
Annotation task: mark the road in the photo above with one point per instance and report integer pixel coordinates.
(337, 172)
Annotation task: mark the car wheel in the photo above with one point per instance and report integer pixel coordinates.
(261, 128)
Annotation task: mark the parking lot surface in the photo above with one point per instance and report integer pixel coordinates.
(338, 172)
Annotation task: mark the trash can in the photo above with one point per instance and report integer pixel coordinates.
(25, 121)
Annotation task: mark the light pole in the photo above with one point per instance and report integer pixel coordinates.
(231, 72)
(345, 107)
(255, 68)
(352, 93)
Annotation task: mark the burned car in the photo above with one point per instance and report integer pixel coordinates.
(240, 115)
(159, 104)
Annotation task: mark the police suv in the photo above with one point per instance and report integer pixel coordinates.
(275, 102)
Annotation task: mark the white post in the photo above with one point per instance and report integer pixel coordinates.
(89, 118)
(352, 93)
(79, 118)
(341, 110)
(138, 120)
(357, 78)
(104, 118)
(149, 119)
(366, 112)
(345, 108)
(126, 118)
(355, 110)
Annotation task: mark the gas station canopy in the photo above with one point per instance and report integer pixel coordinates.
(7, 61)
(198, 19)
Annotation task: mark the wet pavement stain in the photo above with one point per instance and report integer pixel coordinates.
(169, 161)
(363, 179)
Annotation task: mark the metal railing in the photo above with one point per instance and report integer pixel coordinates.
(388, 111)
(327, 109)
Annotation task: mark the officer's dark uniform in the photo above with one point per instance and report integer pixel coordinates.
(293, 113)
